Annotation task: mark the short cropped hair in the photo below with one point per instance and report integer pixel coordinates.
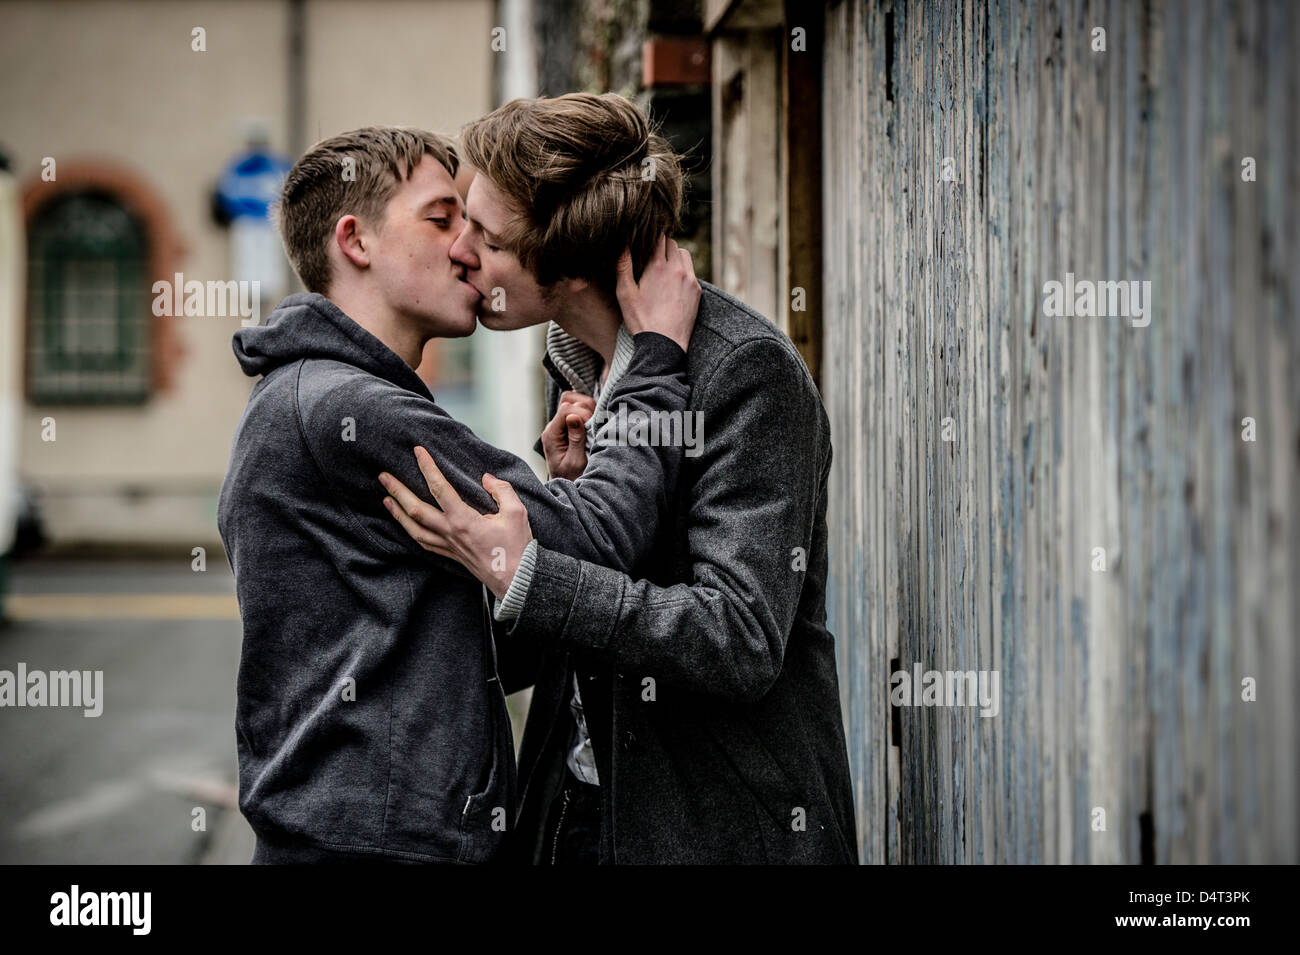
(354, 173)
(588, 176)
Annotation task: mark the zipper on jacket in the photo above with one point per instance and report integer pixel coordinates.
(555, 839)
(525, 784)
(500, 697)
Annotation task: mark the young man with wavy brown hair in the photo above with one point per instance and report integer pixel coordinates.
(687, 709)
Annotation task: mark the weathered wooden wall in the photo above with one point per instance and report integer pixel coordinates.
(1120, 689)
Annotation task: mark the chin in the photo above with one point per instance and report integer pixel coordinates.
(451, 326)
(463, 328)
(503, 323)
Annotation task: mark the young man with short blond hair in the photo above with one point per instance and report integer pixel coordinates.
(370, 720)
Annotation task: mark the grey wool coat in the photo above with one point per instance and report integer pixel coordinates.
(708, 676)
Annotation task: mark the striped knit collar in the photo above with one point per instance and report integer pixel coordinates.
(580, 364)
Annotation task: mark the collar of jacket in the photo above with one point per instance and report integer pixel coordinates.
(309, 325)
(576, 366)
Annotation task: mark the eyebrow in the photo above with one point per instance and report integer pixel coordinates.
(490, 235)
(453, 201)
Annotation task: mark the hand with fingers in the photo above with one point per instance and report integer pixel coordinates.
(667, 297)
(488, 545)
(564, 442)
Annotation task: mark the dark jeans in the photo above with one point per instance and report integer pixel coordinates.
(573, 824)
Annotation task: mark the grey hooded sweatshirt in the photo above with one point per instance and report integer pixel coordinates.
(370, 718)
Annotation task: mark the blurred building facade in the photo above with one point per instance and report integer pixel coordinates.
(118, 119)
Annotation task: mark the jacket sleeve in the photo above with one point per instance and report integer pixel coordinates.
(750, 527)
(357, 425)
(519, 659)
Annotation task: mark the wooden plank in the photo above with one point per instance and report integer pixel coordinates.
(746, 168)
(801, 188)
(1121, 689)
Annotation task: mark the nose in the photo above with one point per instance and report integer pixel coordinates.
(462, 252)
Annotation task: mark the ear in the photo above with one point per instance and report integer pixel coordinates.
(349, 240)
(574, 286)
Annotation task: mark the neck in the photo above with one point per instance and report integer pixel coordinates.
(379, 319)
(594, 319)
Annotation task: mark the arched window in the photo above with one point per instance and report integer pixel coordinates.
(98, 237)
(88, 298)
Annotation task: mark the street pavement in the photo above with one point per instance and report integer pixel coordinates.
(128, 785)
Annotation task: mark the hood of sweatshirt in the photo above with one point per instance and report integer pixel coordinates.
(309, 325)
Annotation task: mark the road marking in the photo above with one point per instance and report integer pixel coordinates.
(111, 796)
(67, 815)
(122, 607)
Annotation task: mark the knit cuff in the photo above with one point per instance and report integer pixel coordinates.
(509, 606)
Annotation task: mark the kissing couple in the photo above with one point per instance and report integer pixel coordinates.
(397, 575)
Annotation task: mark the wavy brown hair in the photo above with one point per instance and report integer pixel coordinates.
(587, 175)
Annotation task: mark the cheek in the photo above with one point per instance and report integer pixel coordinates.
(432, 257)
(532, 294)
(490, 278)
(518, 282)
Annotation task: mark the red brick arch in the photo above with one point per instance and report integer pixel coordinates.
(166, 249)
